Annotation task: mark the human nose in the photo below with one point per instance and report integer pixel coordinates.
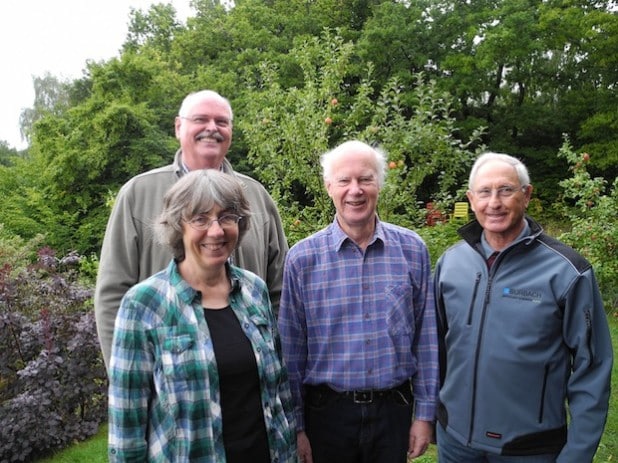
(357, 187)
(494, 198)
(215, 228)
(211, 125)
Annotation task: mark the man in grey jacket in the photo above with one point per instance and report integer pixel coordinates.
(130, 253)
(524, 340)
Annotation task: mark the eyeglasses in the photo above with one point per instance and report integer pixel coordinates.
(203, 120)
(202, 222)
(503, 192)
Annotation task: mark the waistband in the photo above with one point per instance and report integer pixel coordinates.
(404, 390)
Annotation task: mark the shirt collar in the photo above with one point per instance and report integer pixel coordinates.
(488, 250)
(339, 237)
(187, 293)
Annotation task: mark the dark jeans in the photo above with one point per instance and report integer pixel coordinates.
(342, 431)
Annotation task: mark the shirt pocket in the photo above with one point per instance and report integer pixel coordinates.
(179, 356)
(399, 310)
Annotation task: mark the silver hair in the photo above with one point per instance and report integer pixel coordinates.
(198, 192)
(379, 158)
(520, 168)
(196, 97)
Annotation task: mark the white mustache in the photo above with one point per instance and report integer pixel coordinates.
(210, 134)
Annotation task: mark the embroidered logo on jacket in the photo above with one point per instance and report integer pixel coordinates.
(522, 293)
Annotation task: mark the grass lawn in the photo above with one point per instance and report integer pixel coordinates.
(94, 450)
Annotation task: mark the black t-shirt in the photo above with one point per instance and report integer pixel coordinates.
(244, 431)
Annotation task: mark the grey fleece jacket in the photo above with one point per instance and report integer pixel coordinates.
(521, 344)
(130, 252)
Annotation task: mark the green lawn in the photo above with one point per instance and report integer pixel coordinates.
(94, 450)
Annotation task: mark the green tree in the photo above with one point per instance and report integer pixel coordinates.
(6, 153)
(51, 96)
(419, 78)
(80, 156)
(155, 28)
(288, 129)
(531, 70)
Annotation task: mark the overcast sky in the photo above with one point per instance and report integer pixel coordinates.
(57, 36)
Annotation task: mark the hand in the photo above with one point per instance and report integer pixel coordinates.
(421, 434)
(304, 447)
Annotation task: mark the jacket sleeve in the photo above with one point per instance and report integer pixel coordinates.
(277, 250)
(441, 323)
(118, 269)
(586, 332)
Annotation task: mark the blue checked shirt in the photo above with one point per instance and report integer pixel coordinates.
(357, 320)
(164, 402)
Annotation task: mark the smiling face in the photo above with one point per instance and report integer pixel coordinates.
(502, 218)
(353, 187)
(204, 131)
(208, 250)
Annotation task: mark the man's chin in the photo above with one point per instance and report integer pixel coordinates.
(206, 160)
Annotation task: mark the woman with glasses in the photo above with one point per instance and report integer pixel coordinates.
(196, 371)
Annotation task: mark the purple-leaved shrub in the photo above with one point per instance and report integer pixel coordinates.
(53, 386)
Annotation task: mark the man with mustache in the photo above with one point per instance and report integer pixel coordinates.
(130, 253)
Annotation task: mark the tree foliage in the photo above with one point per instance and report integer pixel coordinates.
(288, 129)
(51, 96)
(431, 81)
(591, 204)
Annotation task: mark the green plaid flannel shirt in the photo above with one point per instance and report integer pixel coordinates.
(164, 403)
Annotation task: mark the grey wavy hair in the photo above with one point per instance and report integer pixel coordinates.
(520, 168)
(329, 157)
(195, 193)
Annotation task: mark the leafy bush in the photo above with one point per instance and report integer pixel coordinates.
(52, 378)
(288, 129)
(439, 238)
(592, 209)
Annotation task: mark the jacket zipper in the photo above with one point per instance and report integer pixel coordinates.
(477, 281)
(477, 352)
(543, 389)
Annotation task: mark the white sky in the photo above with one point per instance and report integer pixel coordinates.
(57, 36)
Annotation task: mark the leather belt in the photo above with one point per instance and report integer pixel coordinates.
(364, 396)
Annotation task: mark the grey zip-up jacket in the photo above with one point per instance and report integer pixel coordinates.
(519, 345)
(131, 254)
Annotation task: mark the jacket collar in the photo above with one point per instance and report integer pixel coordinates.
(472, 231)
(181, 169)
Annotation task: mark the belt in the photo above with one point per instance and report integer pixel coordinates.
(364, 396)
